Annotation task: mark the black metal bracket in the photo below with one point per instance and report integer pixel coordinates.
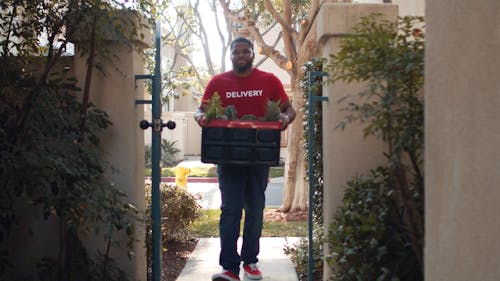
(157, 125)
(142, 77)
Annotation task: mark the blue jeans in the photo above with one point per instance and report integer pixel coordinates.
(241, 187)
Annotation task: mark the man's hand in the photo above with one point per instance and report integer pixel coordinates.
(285, 121)
(199, 116)
(287, 115)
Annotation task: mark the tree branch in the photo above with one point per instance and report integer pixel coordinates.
(285, 24)
(204, 39)
(311, 15)
(196, 72)
(279, 59)
(288, 32)
(225, 44)
(257, 64)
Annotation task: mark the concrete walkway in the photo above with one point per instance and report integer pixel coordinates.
(204, 261)
(274, 264)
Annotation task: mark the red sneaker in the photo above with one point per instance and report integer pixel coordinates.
(252, 271)
(225, 275)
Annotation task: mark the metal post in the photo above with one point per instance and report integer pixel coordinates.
(155, 159)
(157, 126)
(310, 123)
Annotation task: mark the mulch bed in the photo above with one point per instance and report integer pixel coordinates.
(176, 256)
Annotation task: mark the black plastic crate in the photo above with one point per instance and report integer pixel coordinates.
(241, 142)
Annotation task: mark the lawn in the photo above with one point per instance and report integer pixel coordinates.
(208, 226)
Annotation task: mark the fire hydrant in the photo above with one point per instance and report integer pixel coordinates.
(181, 174)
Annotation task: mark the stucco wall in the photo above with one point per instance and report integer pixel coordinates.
(462, 140)
(346, 152)
(122, 143)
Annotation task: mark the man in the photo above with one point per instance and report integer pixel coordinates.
(242, 187)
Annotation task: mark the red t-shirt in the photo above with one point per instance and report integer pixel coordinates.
(248, 94)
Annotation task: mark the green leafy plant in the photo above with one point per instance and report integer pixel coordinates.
(231, 112)
(299, 255)
(389, 56)
(168, 154)
(248, 117)
(365, 238)
(273, 111)
(317, 154)
(147, 158)
(52, 167)
(214, 108)
(52, 170)
(179, 210)
(300, 251)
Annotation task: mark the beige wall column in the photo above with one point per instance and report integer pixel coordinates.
(462, 140)
(123, 142)
(346, 152)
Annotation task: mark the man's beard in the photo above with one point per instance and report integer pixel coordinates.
(243, 68)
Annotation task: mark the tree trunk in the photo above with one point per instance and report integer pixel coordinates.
(292, 190)
(301, 200)
(296, 189)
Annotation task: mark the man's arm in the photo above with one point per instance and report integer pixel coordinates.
(287, 114)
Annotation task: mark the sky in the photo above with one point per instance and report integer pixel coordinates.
(211, 29)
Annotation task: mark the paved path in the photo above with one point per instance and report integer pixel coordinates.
(204, 261)
(274, 264)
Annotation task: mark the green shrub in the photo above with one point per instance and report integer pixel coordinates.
(317, 153)
(147, 156)
(168, 154)
(299, 255)
(389, 57)
(52, 168)
(366, 239)
(179, 209)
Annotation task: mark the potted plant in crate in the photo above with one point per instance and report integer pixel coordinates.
(247, 140)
